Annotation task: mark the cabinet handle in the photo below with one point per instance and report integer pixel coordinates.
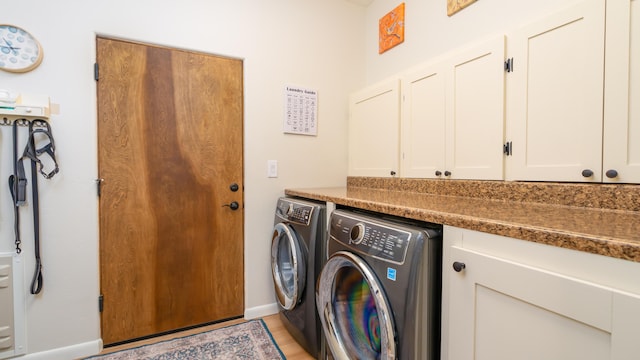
(438, 172)
(611, 174)
(447, 173)
(459, 266)
(587, 173)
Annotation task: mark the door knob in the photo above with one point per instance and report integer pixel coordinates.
(233, 205)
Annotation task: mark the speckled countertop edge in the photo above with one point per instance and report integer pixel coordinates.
(607, 232)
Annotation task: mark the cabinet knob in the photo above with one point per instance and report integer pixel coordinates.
(447, 173)
(459, 266)
(587, 173)
(611, 174)
(393, 173)
(438, 172)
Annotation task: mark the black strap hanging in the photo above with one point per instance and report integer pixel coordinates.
(18, 183)
(31, 152)
(18, 188)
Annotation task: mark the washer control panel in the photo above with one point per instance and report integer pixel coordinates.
(294, 212)
(374, 239)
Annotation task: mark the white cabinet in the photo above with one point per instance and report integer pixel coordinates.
(568, 107)
(621, 153)
(475, 112)
(423, 122)
(453, 115)
(555, 96)
(514, 299)
(374, 130)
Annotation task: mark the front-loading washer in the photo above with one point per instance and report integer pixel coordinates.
(297, 254)
(379, 292)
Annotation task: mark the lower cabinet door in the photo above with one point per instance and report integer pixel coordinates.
(499, 309)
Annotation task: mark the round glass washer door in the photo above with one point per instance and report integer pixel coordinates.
(288, 266)
(354, 311)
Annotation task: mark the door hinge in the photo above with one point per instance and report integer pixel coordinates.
(99, 186)
(507, 148)
(100, 302)
(96, 72)
(508, 65)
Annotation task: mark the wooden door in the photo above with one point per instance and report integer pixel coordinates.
(170, 146)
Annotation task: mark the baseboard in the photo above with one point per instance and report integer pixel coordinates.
(77, 351)
(261, 311)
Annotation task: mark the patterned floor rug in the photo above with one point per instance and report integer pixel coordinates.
(248, 340)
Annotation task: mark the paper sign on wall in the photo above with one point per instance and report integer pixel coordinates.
(300, 111)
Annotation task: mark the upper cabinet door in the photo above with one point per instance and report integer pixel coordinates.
(453, 115)
(621, 152)
(374, 130)
(555, 96)
(475, 112)
(423, 122)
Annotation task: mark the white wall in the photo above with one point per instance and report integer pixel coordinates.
(309, 43)
(429, 32)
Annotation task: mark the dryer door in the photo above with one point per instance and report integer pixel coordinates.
(354, 310)
(288, 265)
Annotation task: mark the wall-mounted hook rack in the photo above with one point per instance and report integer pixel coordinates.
(23, 122)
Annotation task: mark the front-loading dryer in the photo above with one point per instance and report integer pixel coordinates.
(297, 254)
(379, 293)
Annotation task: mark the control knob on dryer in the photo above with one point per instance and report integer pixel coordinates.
(357, 233)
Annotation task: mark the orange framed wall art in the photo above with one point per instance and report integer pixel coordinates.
(391, 29)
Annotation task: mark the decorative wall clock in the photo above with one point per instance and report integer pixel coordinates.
(391, 29)
(19, 50)
(453, 6)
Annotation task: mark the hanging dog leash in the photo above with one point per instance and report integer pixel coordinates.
(18, 183)
(18, 190)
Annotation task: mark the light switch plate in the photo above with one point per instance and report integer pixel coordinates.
(272, 168)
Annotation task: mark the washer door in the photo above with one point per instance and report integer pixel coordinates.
(355, 314)
(288, 266)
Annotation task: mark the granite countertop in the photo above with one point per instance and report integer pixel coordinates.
(609, 232)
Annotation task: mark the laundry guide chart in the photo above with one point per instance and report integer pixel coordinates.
(301, 111)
